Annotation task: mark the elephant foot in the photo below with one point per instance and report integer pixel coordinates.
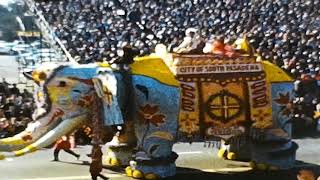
(133, 173)
(276, 155)
(150, 172)
(137, 174)
(114, 162)
(128, 171)
(152, 168)
(231, 156)
(118, 156)
(222, 153)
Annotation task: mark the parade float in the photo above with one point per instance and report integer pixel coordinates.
(164, 98)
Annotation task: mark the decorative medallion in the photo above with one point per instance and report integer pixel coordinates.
(224, 106)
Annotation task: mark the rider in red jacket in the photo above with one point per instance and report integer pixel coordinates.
(63, 144)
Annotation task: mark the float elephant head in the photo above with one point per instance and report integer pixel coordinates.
(64, 98)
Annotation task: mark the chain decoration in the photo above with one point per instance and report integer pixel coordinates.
(96, 164)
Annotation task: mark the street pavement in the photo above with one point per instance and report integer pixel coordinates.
(195, 162)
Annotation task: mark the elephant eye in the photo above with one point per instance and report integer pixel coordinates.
(62, 84)
(77, 91)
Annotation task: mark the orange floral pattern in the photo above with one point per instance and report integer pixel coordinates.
(150, 114)
(26, 137)
(189, 124)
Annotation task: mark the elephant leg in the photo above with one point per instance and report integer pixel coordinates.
(119, 151)
(271, 152)
(239, 149)
(273, 155)
(117, 156)
(154, 160)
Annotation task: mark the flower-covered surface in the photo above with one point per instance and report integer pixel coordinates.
(189, 124)
(67, 93)
(150, 114)
(281, 105)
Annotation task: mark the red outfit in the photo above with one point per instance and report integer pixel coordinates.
(62, 144)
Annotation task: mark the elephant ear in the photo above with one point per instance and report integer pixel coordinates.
(105, 84)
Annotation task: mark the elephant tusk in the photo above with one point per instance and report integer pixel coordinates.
(67, 126)
(11, 143)
(33, 132)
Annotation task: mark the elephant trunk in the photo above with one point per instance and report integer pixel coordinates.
(63, 128)
(33, 132)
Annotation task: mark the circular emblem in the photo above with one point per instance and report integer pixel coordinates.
(224, 106)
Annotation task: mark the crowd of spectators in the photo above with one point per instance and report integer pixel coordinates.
(16, 109)
(284, 32)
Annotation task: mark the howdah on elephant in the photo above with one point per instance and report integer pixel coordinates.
(163, 99)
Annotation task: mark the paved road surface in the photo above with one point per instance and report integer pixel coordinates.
(192, 159)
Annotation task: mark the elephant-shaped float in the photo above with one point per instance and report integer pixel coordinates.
(163, 99)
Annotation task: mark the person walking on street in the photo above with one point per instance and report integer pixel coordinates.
(96, 164)
(63, 144)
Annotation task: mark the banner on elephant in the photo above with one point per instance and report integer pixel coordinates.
(208, 64)
(222, 68)
(189, 119)
(211, 109)
(260, 103)
(224, 108)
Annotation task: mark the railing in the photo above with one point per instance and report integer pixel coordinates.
(48, 32)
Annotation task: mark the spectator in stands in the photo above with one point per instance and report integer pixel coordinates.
(9, 108)
(15, 110)
(26, 94)
(14, 90)
(3, 125)
(9, 127)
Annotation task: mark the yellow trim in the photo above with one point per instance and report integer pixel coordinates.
(30, 148)
(2, 157)
(149, 57)
(274, 73)
(150, 66)
(154, 67)
(103, 64)
(12, 141)
(19, 152)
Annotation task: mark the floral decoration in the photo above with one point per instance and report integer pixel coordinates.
(150, 114)
(189, 124)
(261, 115)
